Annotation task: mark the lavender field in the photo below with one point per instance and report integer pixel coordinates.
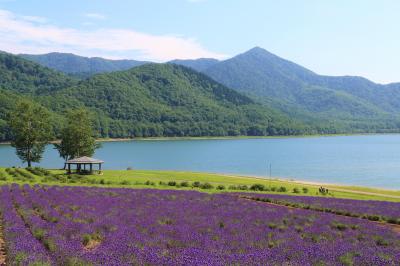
(367, 209)
(114, 226)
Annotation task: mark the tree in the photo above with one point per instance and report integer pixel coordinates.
(31, 131)
(77, 136)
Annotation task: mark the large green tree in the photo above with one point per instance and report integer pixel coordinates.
(31, 130)
(77, 136)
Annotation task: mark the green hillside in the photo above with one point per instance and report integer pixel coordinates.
(169, 100)
(19, 75)
(147, 101)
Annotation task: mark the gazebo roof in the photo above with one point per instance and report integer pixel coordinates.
(84, 159)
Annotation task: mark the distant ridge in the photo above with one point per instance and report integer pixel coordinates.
(81, 66)
(200, 64)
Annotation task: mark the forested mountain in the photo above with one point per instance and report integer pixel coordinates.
(172, 100)
(80, 66)
(25, 76)
(150, 100)
(352, 103)
(199, 65)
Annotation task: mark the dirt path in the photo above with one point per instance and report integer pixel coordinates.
(2, 248)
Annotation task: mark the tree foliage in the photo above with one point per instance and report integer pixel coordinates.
(30, 131)
(77, 136)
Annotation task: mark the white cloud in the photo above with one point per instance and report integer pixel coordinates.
(19, 35)
(34, 19)
(95, 16)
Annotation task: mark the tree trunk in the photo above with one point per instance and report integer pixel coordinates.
(29, 163)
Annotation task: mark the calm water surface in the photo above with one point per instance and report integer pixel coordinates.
(355, 160)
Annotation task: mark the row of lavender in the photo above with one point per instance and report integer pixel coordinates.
(367, 209)
(104, 226)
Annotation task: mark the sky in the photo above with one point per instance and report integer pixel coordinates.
(330, 37)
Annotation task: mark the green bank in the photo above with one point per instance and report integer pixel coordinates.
(206, 182)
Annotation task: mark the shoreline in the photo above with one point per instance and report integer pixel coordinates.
(282, 179)
(225, 137)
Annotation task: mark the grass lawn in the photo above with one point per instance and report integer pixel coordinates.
(152, 179)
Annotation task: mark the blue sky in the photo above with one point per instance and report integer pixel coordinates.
(336, 37)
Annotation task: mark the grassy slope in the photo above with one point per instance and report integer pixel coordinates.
(137, 178)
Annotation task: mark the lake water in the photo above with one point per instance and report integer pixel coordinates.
(372, 160)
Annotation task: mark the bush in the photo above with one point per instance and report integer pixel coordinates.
(196, 184)
(172, 183)
(296, 190)
(220, 187)
(184, 184)
(125, 183)
(281, 189)
(305, 190)
(149, 183)
(162, 183)
(3, 177)
(206, 186)
(273, 189)
(257, 187)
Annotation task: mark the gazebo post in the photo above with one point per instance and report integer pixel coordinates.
(91, 168)
(69, 168)
(100, 168)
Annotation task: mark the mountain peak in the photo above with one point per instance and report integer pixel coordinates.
(258, 50)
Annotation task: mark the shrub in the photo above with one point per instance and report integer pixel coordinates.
(305, 190)
(86, 239)
(49, 244)
(296, 190)
(149, 183)
(340, 226)
(382, 242)
(184, 184)
(281, 189)
(374, 217)
(257, 187)
(171, 183)
(3, 177)
(196, 184)
(220, 187)
(273, 188)
(206, 186)
(272, 226)
(39, 234)
(125, 183)
(162, 183)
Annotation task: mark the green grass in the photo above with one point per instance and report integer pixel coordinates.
(152, 179)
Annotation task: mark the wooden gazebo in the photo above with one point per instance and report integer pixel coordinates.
(81, 164)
